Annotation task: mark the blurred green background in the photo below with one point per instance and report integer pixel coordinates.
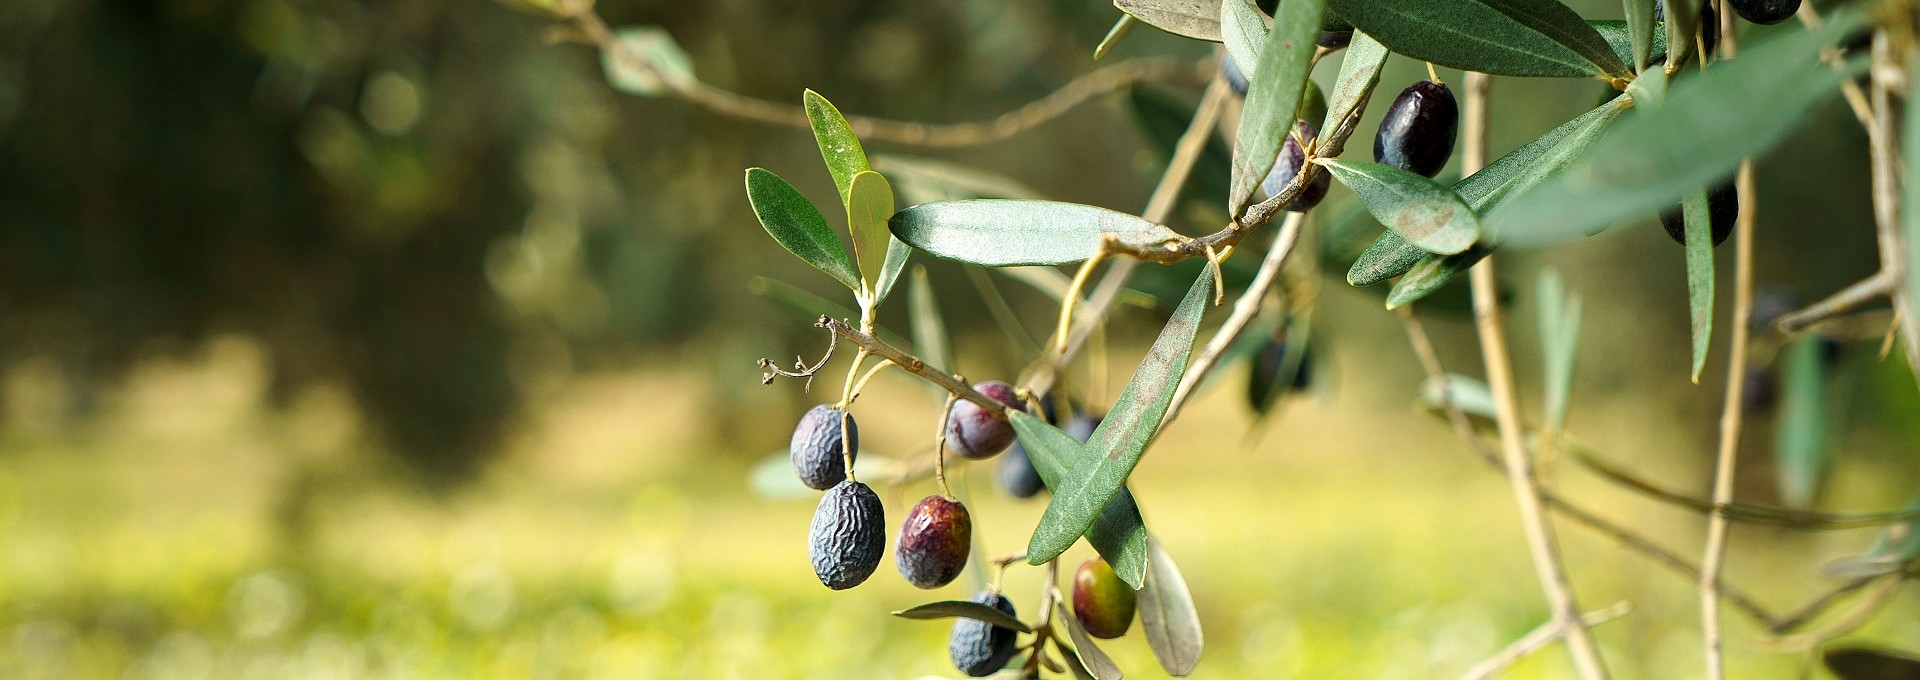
(362, 339)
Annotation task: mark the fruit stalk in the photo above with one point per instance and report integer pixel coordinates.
(907, 362)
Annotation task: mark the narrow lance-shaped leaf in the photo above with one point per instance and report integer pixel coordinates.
(1560, 345)
(1640, 25)
(1426, 214)
(838, 146)
(1897, 545)
(1699, 247)
(1120, 30)
(1910, 214)
(1655, 157)
(1121, 438)
(1119, 535)
(1097, 663)
(1501, 37)
(1865, 663)
(1508, 175)
(1000, 233)
(1273, 99)
(896, 262)
(1243, 27)
(1800, 442)
(949, 609)
(793, 221)
(1683, 21)
(1359, 73)
(1470, 395)
(1167, 615)
(1432, 273)
(928, 327)
(1620, 37)
(869, 205)
(1198, 19)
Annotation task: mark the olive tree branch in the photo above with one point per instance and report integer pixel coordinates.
(909, 363)
(594, 31)
(1752, 513)
(1718, 522)
(1540, 636)
(1519, 467)
(1244, 310)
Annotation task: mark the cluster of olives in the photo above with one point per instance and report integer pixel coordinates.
(848, 535)
(1102, 603)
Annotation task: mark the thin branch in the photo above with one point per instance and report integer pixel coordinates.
(1886, 197)
(1743, 512)
(1866, 290)
(593, 30)
(1526, 491)
(1821, 603)
(1856, 99)
(1244, 310)
(801, 369)
(909, 363)
(1545, 633)
(1731, 412)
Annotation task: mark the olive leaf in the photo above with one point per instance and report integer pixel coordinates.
(641, 58)
(869, 205)
(1640, 26)
(949, 609)
(1118, 534)
(1003, 232)
(1243, 27)
(1120, 30)
(1863, 663)
(1115, 448)
(1897, 545)
(1199, 19)
(1619, 36)
(838, 146)
(1359, 73)
(1096, 662)
(1273, 99)
(1683, 23)
(1470, 395)
(1708, 123)
(1800, 442)
(890, 268)
(1559, 343)
(1501, 37)
(1910, 197)
(1167, 615)
(1421, 211)
(929, 328)
(1699, 249)
(798, 226)
(1506, 176)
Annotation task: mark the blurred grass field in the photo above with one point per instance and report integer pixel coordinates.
(191, 532)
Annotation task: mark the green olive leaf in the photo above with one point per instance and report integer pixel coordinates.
(869, 205)
(1424, 213)
(1198, 19)
(1640, 26)
(1273, 99)
(895, 262)
(640, 57)
(1118, 534)
(1683, 23)
(798, 226)
(1619, 36)
(1559, 344)
(1359, 73)
(1699, 249)
(1432, 273)
(838, 146)
(1243, 27)
(950, 609)
(1910, 196)
(1120, 30)
(1167, 615)
(1801, 429)
(1656, 156)
(1117, 444)
(1002, 232)
(1097, 663)
(1501, 37)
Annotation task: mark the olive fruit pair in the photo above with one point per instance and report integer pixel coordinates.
(816, 447)
(1292, 157)
(934, 542)
(1723, 205)
(977, 433)
(1101, 601)
(978, 648)
(848, 535)
(1418, 132)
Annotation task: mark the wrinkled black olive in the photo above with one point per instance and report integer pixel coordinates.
(978, 648)
(848, 535)
(816, 447)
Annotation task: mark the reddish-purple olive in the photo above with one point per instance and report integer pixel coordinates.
(816, 447)
(1723, 206)
(1292, 157)
(1418, 132)
(934, 542)
(978, 433)
(1103, 603)
(848, 536)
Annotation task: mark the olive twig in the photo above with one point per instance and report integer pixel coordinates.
(801, 369)
(909, 363)
(1545, 633)
(940, 448)
(1244, 310)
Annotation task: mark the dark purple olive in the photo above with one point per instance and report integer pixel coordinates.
(848, 536)
(1418, 132)
(1765, 11)
(978, 433)
(816, 447)
(1758, 391)
(1263, 378)
(1082, 426)
(1723, 206)
(978, 648)
(1236, 79)
(934, 542)
(1017, 475)
(1101, 601)
(1292, 156)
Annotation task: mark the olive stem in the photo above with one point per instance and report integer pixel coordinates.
(1545, 633)
(909, 363)
(1881, 284)
(1849, 90)
(1732, 409)
(1519, 467)
(940, 447)
(683, 86)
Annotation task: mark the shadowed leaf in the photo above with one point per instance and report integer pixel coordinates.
(1800, 442)
(1096, 662)
(1501, 37)
(999, 233)
(1273, 99)
(793, 221)
(948, 609)
(1167, 616)
(1421, 211)
(1862, 663)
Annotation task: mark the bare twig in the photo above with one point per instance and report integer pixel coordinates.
(1820, 603)
(593, 30)
(1866, 290)
(1519, 467)
(1730, 415)
(1886, 196)
(909, 363)
(1244, 310)
(801, 369)
(1741, 512)
(1545, 633)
